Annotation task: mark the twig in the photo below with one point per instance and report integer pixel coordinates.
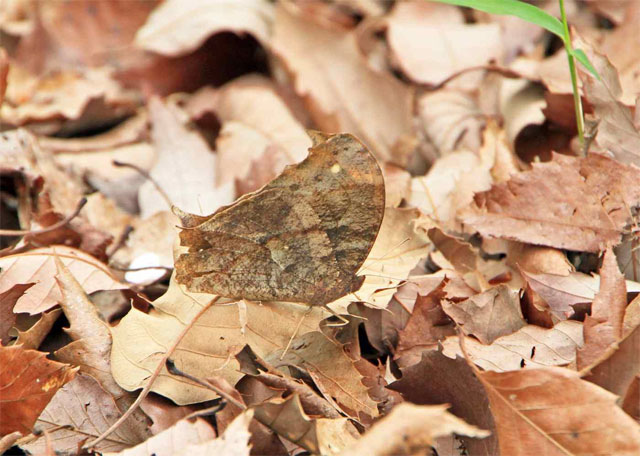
(122, 239)
(53, 227)
(506, 72)
(147, 176)
(171, 367)
(145, 391)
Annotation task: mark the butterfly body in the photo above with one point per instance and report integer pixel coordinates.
(300, 238)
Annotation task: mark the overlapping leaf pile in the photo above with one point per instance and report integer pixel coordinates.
(503, 283)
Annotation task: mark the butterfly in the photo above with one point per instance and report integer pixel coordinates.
(300, 238)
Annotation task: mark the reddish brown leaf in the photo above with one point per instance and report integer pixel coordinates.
(28, 381)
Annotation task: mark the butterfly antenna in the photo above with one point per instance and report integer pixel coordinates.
(147, 176)
(383, 257)
(295, 332)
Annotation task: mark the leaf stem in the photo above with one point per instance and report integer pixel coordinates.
(577, 101)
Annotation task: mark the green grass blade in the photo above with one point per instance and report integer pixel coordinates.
(516, 8)
(581, 57)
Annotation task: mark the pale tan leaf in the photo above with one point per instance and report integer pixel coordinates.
(552, 411)
(453, 45)
(82, 410)
(530, 347)
(350, 96)
(488, 315)
(140, 340)
(38, 266)
(185, 167)
(234, 441)
(177, 27)
(411, 429)
(570, 203)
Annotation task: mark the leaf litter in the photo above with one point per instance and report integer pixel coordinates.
(492, 311)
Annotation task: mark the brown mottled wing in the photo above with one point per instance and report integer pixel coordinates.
(301, 238)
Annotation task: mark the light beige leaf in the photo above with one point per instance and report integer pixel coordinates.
(453, 44)
(350, 96)
(234, 441)
(334, 373)
(488, 315)
(411, 429)
(140, 340)
(529, 348)
(178, 27)
(185, 167)
(400, 245)
(569, 203)
(317, 435)
(79, 411)
(552, 411)
(173, 441)
(38, 266)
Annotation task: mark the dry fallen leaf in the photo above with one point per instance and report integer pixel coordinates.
(82, 410)
(177, 27)
(530, 347)
(347, 97)
(38, 266)
(28, 381)
(552, 411)
(140, 339)
(411, 429)
(569, 203)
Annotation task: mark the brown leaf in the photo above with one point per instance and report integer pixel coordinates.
(437, 379)
(603, 327)
(140, 339)
(349, 97)
(38, 266)
(451, 49)
(411, 429)
(35, 335)
(177, 28)
(28, 381)
(234, 441)
(552, 411)
(4, 71)
(427, 325)
(79, 412)
(631, 400)
(529, 347)
(459, 253)
(301, 238)
(569, 203)
(333, 372)
(488, 315)
(185, 167)
(397, 184)
(317, 435)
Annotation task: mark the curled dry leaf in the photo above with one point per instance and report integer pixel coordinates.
(317, 435)
(234, 441)
(28, 381)
(552, 411)
(177, 148)
(81, 411)
(529, 347)
(8, 299)
(349, 97)
(411, 429)
(140, 339)
(177, 27)
(35, 335)
(569, 203)
(452, 48)
(38, 266)
(603, 328)
(488, 315)
(459, 253)
(333, 372)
